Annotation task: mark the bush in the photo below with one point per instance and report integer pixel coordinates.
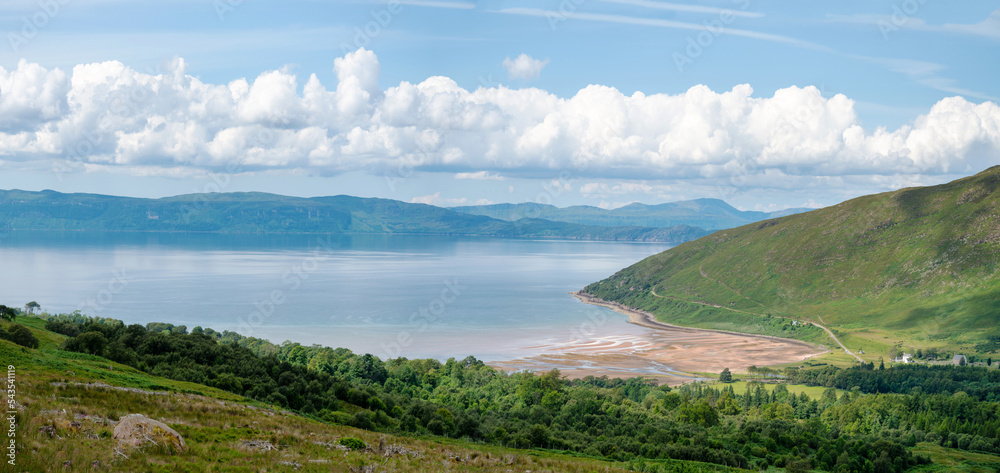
(88, 342)
(353, 443)
(20, 335)
(69, 329)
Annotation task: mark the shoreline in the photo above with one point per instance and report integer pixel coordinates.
(669, 354)
(648, 320)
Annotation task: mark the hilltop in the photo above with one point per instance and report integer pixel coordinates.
(256, 212)
(910, 269)
(710, 214)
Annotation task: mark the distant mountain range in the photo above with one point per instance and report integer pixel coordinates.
(269, 213)
(910, 269)
(710, 214)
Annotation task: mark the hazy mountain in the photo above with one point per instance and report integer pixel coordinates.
(268, 213)
(711, 214)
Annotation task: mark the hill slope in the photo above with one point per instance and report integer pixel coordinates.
(911, 268)
(268, 213)
(711, 214)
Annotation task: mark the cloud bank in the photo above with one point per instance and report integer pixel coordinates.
(107, 115)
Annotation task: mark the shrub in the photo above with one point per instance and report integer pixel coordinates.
(88, 342)
(353, 443)
(69, 329)
(20, 335)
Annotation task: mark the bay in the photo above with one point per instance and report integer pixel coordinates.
(389, 295)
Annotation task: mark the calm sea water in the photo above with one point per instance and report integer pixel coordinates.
(414, 296)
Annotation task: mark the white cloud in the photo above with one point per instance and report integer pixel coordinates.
(108, 115)
(988, 28)
(439, 4)
(687, 8)
(603, 189)
(480, 176)
(554, 16)
(612, 205)
(524, 67)
(436, 199)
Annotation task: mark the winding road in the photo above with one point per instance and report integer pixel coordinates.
(828, 331)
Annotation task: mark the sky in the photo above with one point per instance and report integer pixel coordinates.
(764, 104)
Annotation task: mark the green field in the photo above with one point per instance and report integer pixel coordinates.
(814, 392)
(947, 459)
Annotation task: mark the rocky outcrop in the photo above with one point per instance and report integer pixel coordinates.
(137, 430)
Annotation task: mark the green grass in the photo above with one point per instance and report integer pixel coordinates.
(57, 392)
(46, 339)
(915, 268)
(814, 392)
(947, 459)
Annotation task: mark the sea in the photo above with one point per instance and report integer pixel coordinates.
(417, 296)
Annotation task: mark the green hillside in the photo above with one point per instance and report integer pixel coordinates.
(268, 213)
(910, 269)
(69, 403)
(244, 404)
(711, 214)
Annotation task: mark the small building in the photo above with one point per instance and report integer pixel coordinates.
(904, 358)
(959, 360)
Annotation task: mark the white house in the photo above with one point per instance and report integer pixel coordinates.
(904, 358)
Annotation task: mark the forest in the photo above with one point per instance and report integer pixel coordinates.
(865, 419)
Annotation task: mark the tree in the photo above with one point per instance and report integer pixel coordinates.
(881, 364)
(31, 307)
(20, 335)
(7, 313)
(88, 342)
(989, 361)
(726, 376)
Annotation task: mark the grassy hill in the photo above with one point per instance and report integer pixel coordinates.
(711, 214)
(256, 212)
(69, 403)
(914, 268)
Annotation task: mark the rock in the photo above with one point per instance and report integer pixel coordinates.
(257, 445)
(137, 430)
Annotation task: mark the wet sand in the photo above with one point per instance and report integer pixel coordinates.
(665, 352)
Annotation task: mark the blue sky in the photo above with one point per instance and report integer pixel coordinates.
(844, 98)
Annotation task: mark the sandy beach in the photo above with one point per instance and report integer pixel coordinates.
(667, 353)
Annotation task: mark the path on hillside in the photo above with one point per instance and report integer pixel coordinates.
(828, 331)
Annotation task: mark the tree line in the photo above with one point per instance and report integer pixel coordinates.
(868, 429)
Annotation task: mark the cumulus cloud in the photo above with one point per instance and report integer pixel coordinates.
(108, 115)
(524, 67)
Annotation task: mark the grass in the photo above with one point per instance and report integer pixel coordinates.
(947, 459)
(915, 268)
(69, 404)
(814, 392)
